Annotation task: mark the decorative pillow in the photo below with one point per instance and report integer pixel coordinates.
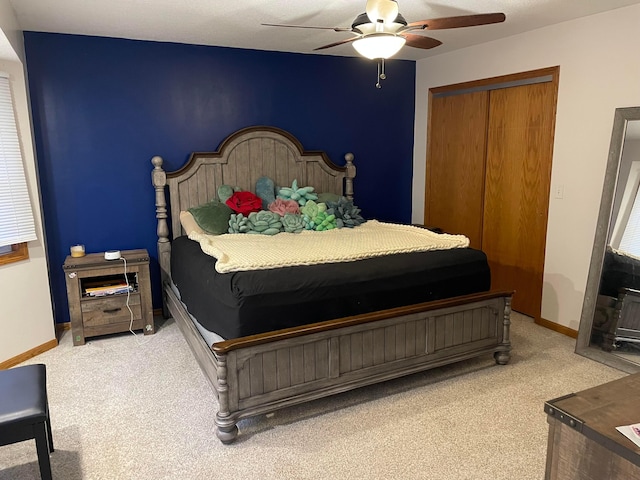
(293, 223)
(328, 197)
(265, 223)
(212, 217)
(300, 194)
(325, 221)
(312, 209)
(225, 192)
(281, 207)
(188, 223)
(244, 202)
(346, 213)
(316, 217)
(266, 190)
(238, 223)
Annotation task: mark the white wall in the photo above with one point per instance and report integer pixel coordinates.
(26, 317)
(599, 71)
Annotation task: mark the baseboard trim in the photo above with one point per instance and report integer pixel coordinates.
(569, 332)
(61, 328)
(157, 312)
(28, 354)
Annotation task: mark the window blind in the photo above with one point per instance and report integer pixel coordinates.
(16, 216)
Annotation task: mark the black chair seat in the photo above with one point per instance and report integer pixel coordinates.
(24, 411)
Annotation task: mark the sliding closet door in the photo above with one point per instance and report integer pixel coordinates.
(489, 171)
(455, 170)
(516, 195)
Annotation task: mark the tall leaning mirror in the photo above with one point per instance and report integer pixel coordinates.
(609, 329)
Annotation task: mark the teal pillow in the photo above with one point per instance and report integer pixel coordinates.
(266, 190)
(212, 217)
(226, 191)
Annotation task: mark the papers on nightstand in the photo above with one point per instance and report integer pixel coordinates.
(632, 432)
(108, 290)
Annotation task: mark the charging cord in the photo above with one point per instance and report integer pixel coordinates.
(126, 279)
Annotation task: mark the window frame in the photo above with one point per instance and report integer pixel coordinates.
(19, 252)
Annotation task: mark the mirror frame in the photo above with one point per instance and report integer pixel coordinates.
(621, 118)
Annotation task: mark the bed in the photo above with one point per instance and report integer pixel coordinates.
(617, 314)
(385, 334)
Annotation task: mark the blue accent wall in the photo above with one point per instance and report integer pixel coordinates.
(103, 107)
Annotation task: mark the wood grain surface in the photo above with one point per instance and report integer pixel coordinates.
(598, 451)
(455, 170)
(516, 195)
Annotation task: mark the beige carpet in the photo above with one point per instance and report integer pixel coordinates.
(124, 410)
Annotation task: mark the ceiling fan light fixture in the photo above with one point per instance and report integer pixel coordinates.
(383, 45)
(382, 10)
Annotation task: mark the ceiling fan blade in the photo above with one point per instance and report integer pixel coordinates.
(386, 10)
(348, 40)
(459, 21)
(335, 29)
(418, 41)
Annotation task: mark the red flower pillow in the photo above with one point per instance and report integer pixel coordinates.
(244, 203)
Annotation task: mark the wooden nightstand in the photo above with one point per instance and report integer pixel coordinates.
(93, 315)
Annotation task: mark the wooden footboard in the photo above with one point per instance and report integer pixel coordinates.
(262, 373)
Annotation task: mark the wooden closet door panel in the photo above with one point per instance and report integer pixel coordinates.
(455, 166)
(518, 173)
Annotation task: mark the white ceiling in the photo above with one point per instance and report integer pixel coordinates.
(236, 23)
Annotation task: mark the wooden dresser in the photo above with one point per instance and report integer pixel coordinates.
(583, 441)
(99, 314)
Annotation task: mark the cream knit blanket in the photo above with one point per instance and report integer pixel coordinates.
(241, 251)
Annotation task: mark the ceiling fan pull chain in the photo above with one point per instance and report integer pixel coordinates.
(381, 74)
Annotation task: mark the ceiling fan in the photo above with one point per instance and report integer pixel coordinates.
(382, 31)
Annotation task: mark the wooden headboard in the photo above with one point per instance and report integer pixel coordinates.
(242, 158)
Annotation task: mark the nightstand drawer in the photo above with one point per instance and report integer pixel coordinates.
(104, 311)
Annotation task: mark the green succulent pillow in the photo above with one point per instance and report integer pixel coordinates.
(327, 197)
(226, 191)
(212, 217)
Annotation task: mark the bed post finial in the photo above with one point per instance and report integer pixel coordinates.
(159, 179)
(351, 174)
